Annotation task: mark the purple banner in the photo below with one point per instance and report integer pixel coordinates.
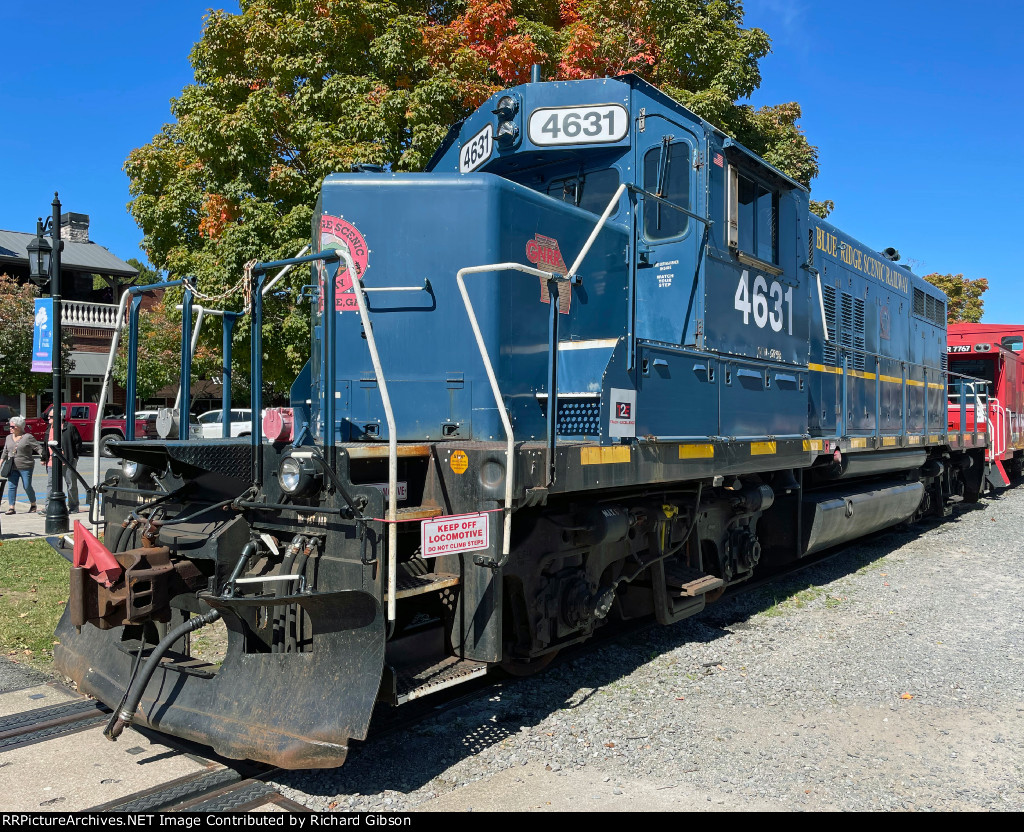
(42, 340)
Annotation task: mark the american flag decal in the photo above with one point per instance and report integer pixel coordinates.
(718, 160)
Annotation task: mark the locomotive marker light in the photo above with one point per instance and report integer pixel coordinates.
(44, 267)
(508, 132)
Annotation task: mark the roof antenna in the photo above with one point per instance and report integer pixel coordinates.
(535, 74)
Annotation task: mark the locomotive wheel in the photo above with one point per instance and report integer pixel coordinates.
(527, 667)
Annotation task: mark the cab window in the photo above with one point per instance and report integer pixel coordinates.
(589, 191)
(753, 217)
(666, 174)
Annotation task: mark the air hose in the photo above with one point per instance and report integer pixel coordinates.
(131, 704)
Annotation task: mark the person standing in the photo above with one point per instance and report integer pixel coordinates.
(21, 448)
(71, 448)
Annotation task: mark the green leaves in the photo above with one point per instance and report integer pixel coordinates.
(965, 303)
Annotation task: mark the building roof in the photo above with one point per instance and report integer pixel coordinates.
(86, 257)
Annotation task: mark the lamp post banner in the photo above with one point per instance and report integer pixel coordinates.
(42, 339)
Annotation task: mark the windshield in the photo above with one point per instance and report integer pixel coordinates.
(210, 416)
(983, 368)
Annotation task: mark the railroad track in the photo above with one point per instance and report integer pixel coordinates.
(39, 745)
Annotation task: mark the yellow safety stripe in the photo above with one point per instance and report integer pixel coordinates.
(603, 456)
(838, 371)
(761, 448)
(700, 451)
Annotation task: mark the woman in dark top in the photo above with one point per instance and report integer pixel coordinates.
(23, 448)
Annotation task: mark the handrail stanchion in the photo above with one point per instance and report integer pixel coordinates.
(133, 368)
(200, 315)
(229, 319)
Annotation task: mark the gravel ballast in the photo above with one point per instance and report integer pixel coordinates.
(887, 678)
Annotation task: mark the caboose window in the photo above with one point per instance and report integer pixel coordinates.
(754, 220)
(669, 178)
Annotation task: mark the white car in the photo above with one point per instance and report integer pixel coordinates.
(241, 423)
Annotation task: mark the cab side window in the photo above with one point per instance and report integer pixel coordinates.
(753, 217)
(666, 174)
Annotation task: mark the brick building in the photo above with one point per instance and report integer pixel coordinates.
(92, 280)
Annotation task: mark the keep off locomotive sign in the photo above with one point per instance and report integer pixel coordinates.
(457, 533)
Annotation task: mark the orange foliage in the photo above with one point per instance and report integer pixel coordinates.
(217, 212)
(488, 29)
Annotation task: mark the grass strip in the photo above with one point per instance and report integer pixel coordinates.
(33, 592)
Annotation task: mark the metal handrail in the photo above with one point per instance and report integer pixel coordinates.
(389, 416)
(495, 388)
(499, 399)
(135, 293)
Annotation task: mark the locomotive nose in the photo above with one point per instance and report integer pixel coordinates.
(242, 710)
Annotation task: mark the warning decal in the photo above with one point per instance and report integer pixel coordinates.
(459, 462)
(334, 230)
(457, 533)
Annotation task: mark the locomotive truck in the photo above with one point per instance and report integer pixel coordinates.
(599, 361)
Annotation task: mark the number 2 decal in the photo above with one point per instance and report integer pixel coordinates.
(756, 301)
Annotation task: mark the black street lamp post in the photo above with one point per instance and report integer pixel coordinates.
(44, 267)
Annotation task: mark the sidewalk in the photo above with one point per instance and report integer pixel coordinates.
(25, 524)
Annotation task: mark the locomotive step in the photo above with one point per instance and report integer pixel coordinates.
(381, 451)
(409, 585)
(416, 682)
(419, 513)
(689, 583)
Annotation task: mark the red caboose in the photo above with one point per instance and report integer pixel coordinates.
(994, 353)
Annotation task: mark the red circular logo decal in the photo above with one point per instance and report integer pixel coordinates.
(333, 232)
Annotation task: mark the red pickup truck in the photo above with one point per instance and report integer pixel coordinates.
(83, 416)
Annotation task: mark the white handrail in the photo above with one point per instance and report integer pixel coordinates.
(191, 356)
(129, 407)
(389, 415)
(499, 399)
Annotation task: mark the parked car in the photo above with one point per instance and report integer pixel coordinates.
(82, 415)
(241, 423)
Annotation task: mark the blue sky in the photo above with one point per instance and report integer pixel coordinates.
(916, 108)
(918, 114)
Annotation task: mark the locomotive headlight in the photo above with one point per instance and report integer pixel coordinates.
(297, 474)
(137, 472)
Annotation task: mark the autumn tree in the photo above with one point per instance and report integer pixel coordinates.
(289, 91)
(17, 317)
(965, 303)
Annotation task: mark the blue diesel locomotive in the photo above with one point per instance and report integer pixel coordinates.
(598, 361)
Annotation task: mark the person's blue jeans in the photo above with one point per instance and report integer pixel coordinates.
(12, 485)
